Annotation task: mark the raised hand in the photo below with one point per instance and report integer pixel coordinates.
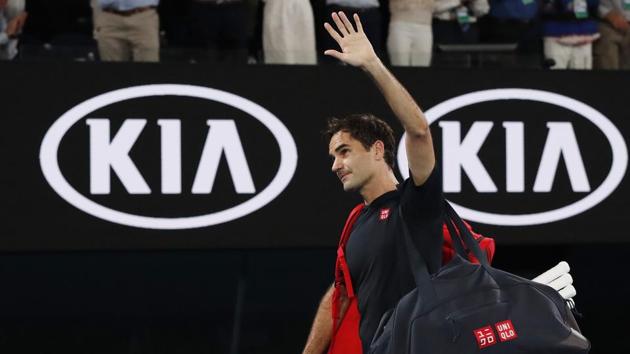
(356, 49)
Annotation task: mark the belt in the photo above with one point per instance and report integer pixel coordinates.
(131, 12)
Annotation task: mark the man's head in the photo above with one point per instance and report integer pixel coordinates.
(361, 145)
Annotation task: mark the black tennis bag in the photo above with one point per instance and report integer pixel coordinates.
(473, 308)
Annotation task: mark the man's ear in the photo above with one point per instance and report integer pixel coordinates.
(379, 149)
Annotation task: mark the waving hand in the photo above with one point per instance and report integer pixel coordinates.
(356, 49)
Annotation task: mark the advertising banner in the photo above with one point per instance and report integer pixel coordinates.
(124, 156)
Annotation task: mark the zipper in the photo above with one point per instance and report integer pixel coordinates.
(452, 319)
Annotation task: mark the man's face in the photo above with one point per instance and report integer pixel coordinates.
(353, 164)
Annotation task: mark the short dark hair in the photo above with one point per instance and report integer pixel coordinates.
(367, 129)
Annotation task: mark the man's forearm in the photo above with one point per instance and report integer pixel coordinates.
(321, 332)
(418, 144)
(398, 98)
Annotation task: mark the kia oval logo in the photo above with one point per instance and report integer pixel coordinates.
(561, 144)
(112, 156)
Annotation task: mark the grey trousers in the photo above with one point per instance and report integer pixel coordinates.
(127, 38)
(612, 49)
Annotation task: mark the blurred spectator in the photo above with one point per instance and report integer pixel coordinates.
(612, 50)
(410, 39)
(569, 29)
(455, 21)
(512, 21)
(127, 30)
(221, 27)
(12, 19)
(371, 18)
(289, 32)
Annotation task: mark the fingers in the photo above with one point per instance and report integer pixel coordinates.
(333, 33)
(346, 22)
(340, 26)
(344, 26)
(357, 20)
(334, 53)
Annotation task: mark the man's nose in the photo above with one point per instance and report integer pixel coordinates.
(336, 166)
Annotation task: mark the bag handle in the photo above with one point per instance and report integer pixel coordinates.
(466, 236)
(418, 264)
(456, 239)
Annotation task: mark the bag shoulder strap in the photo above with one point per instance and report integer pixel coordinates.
(342, 273)
(417, 264)
(352, 217)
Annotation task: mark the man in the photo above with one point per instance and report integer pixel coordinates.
(12, 20)
(127, 30)
(410, 36)
(569, 30)
(612, 50)
(288, 32)
(221, 28)
(456, 21)
(362, 147)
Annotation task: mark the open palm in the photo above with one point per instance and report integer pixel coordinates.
(356, 49)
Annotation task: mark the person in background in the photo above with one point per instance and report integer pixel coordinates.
(12, 20)
(127, 30)
(569, 29)
(455, 21)
(410, 39)
(221, 27)
(512, 21)
(612, 50)
(289, 32)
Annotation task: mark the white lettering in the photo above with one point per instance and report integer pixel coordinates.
(514, 156)
(458, 155)
(561, 141)
(115, 154)
(223, 137)
(171, 140)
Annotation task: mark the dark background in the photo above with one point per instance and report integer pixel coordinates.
(70, 282)
(238, 301)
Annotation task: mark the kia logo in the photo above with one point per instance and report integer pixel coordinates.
(460, 155)
(109, 154)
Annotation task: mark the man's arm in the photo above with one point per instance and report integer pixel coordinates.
(617, 20)
(356, 50)
(610, 12)
(321, 332)
(14, 26)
